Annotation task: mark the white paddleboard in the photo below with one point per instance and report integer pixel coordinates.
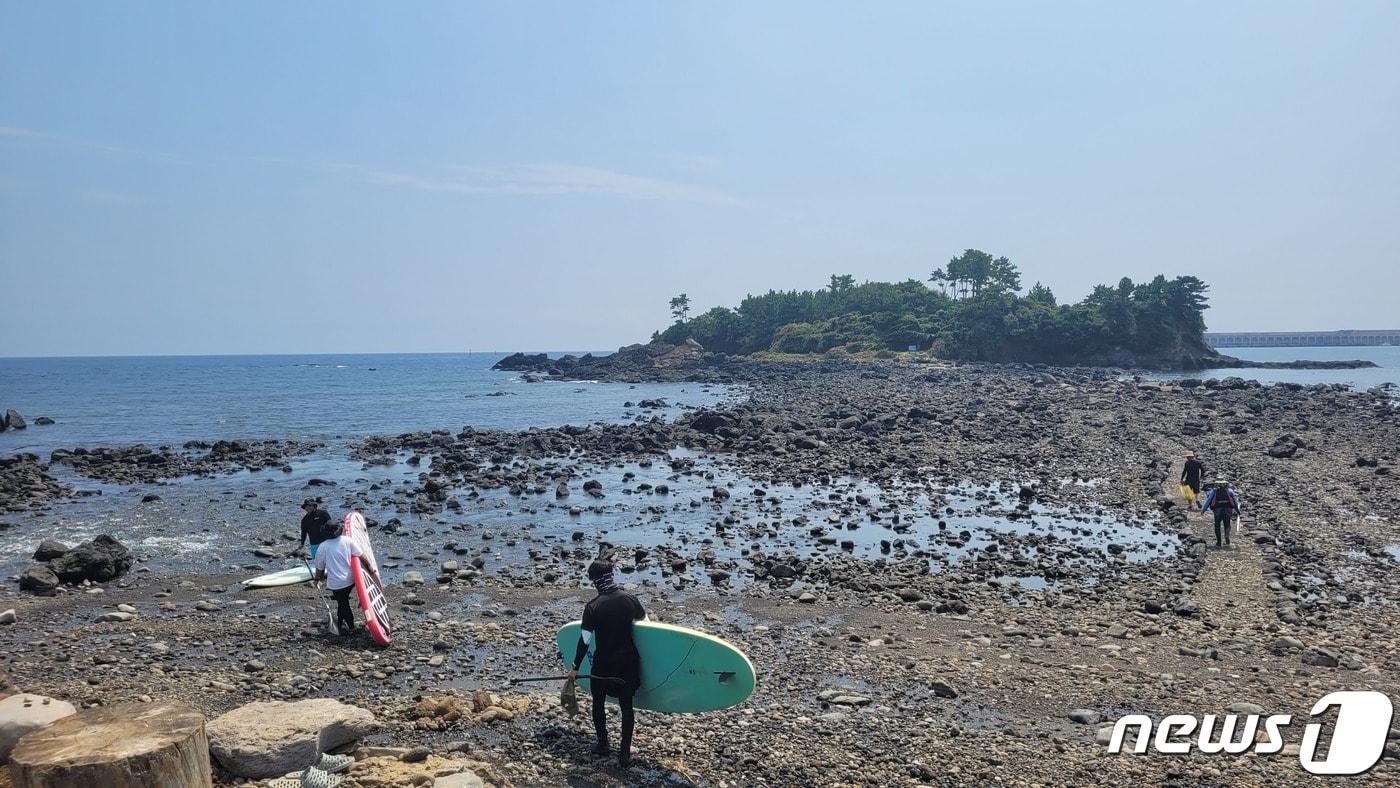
(287, 577)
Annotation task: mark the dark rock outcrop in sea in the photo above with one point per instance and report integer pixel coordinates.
(662, 362)
(655, 362)
(141, 463)
(11, 420)
(1236, 363)
(26, 485)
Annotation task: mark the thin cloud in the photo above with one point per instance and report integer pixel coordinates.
(551, 179)
(87, 146)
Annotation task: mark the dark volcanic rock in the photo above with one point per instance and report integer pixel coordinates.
(709, 421)
(100, 560)
(141, 463)
(14, 421)
(25, 484)
(38, 580)
(50, 549)
(655, 362)
(521, 362)
(1300, 364)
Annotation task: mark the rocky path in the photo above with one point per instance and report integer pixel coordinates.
(1230, 590)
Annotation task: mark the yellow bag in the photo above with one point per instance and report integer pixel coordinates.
(1187, 493)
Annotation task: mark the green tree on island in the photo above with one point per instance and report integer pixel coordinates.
(975, 312)
(680, 307)
(974, 271)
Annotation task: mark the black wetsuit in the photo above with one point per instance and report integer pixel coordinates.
(609, 617)
(313, 527)
(1192, 473)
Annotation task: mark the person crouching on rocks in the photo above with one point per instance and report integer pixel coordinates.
(617, 667)
(1192, 472)
(315, 526)
(1225, 504)
(333, 566)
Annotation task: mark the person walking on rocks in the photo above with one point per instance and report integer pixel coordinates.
(607, 627)
(315, 526)
(1192, 472)
(333, 566)
(1224, 503)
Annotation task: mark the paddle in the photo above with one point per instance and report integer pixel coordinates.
(560, 678)
(330, 617)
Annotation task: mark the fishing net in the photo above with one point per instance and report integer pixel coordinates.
(568, 698)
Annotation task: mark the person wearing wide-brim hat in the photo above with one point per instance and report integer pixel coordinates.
(1224, 503)
(315, 526)
(1192, 472)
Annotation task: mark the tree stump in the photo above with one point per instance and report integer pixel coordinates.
(135, 745)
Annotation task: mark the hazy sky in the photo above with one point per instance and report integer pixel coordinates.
(296, 177)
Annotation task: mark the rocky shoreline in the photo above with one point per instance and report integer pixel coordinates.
(834, 523)
(662, 362)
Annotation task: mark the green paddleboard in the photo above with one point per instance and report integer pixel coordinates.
(684, 671)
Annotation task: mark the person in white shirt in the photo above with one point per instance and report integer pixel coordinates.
(333, 566)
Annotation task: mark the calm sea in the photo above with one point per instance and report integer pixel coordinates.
(173, 399)
(1388, 371)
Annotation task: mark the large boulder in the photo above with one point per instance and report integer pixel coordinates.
(271, 738)
(100, 560)
(521, 362)
(49, 549)
(709, 421)
(38, 580)
(14, 421)
(22, 713)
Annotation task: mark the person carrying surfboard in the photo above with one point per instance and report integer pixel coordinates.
(607, 626)
(315, 526)
(333, 566)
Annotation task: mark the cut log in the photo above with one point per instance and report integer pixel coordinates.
(135, 745)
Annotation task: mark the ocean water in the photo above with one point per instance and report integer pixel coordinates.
(1388, 371)
(173, 399)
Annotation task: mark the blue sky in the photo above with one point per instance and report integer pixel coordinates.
(299, 177)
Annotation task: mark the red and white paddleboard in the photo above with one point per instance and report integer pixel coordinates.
(367, 588)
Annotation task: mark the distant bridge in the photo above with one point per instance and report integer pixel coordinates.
(1303, 338)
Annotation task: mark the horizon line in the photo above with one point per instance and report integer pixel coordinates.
(315, 353)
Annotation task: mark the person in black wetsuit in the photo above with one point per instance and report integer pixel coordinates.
(607, 626)
(1191, 474)
(314, 526)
